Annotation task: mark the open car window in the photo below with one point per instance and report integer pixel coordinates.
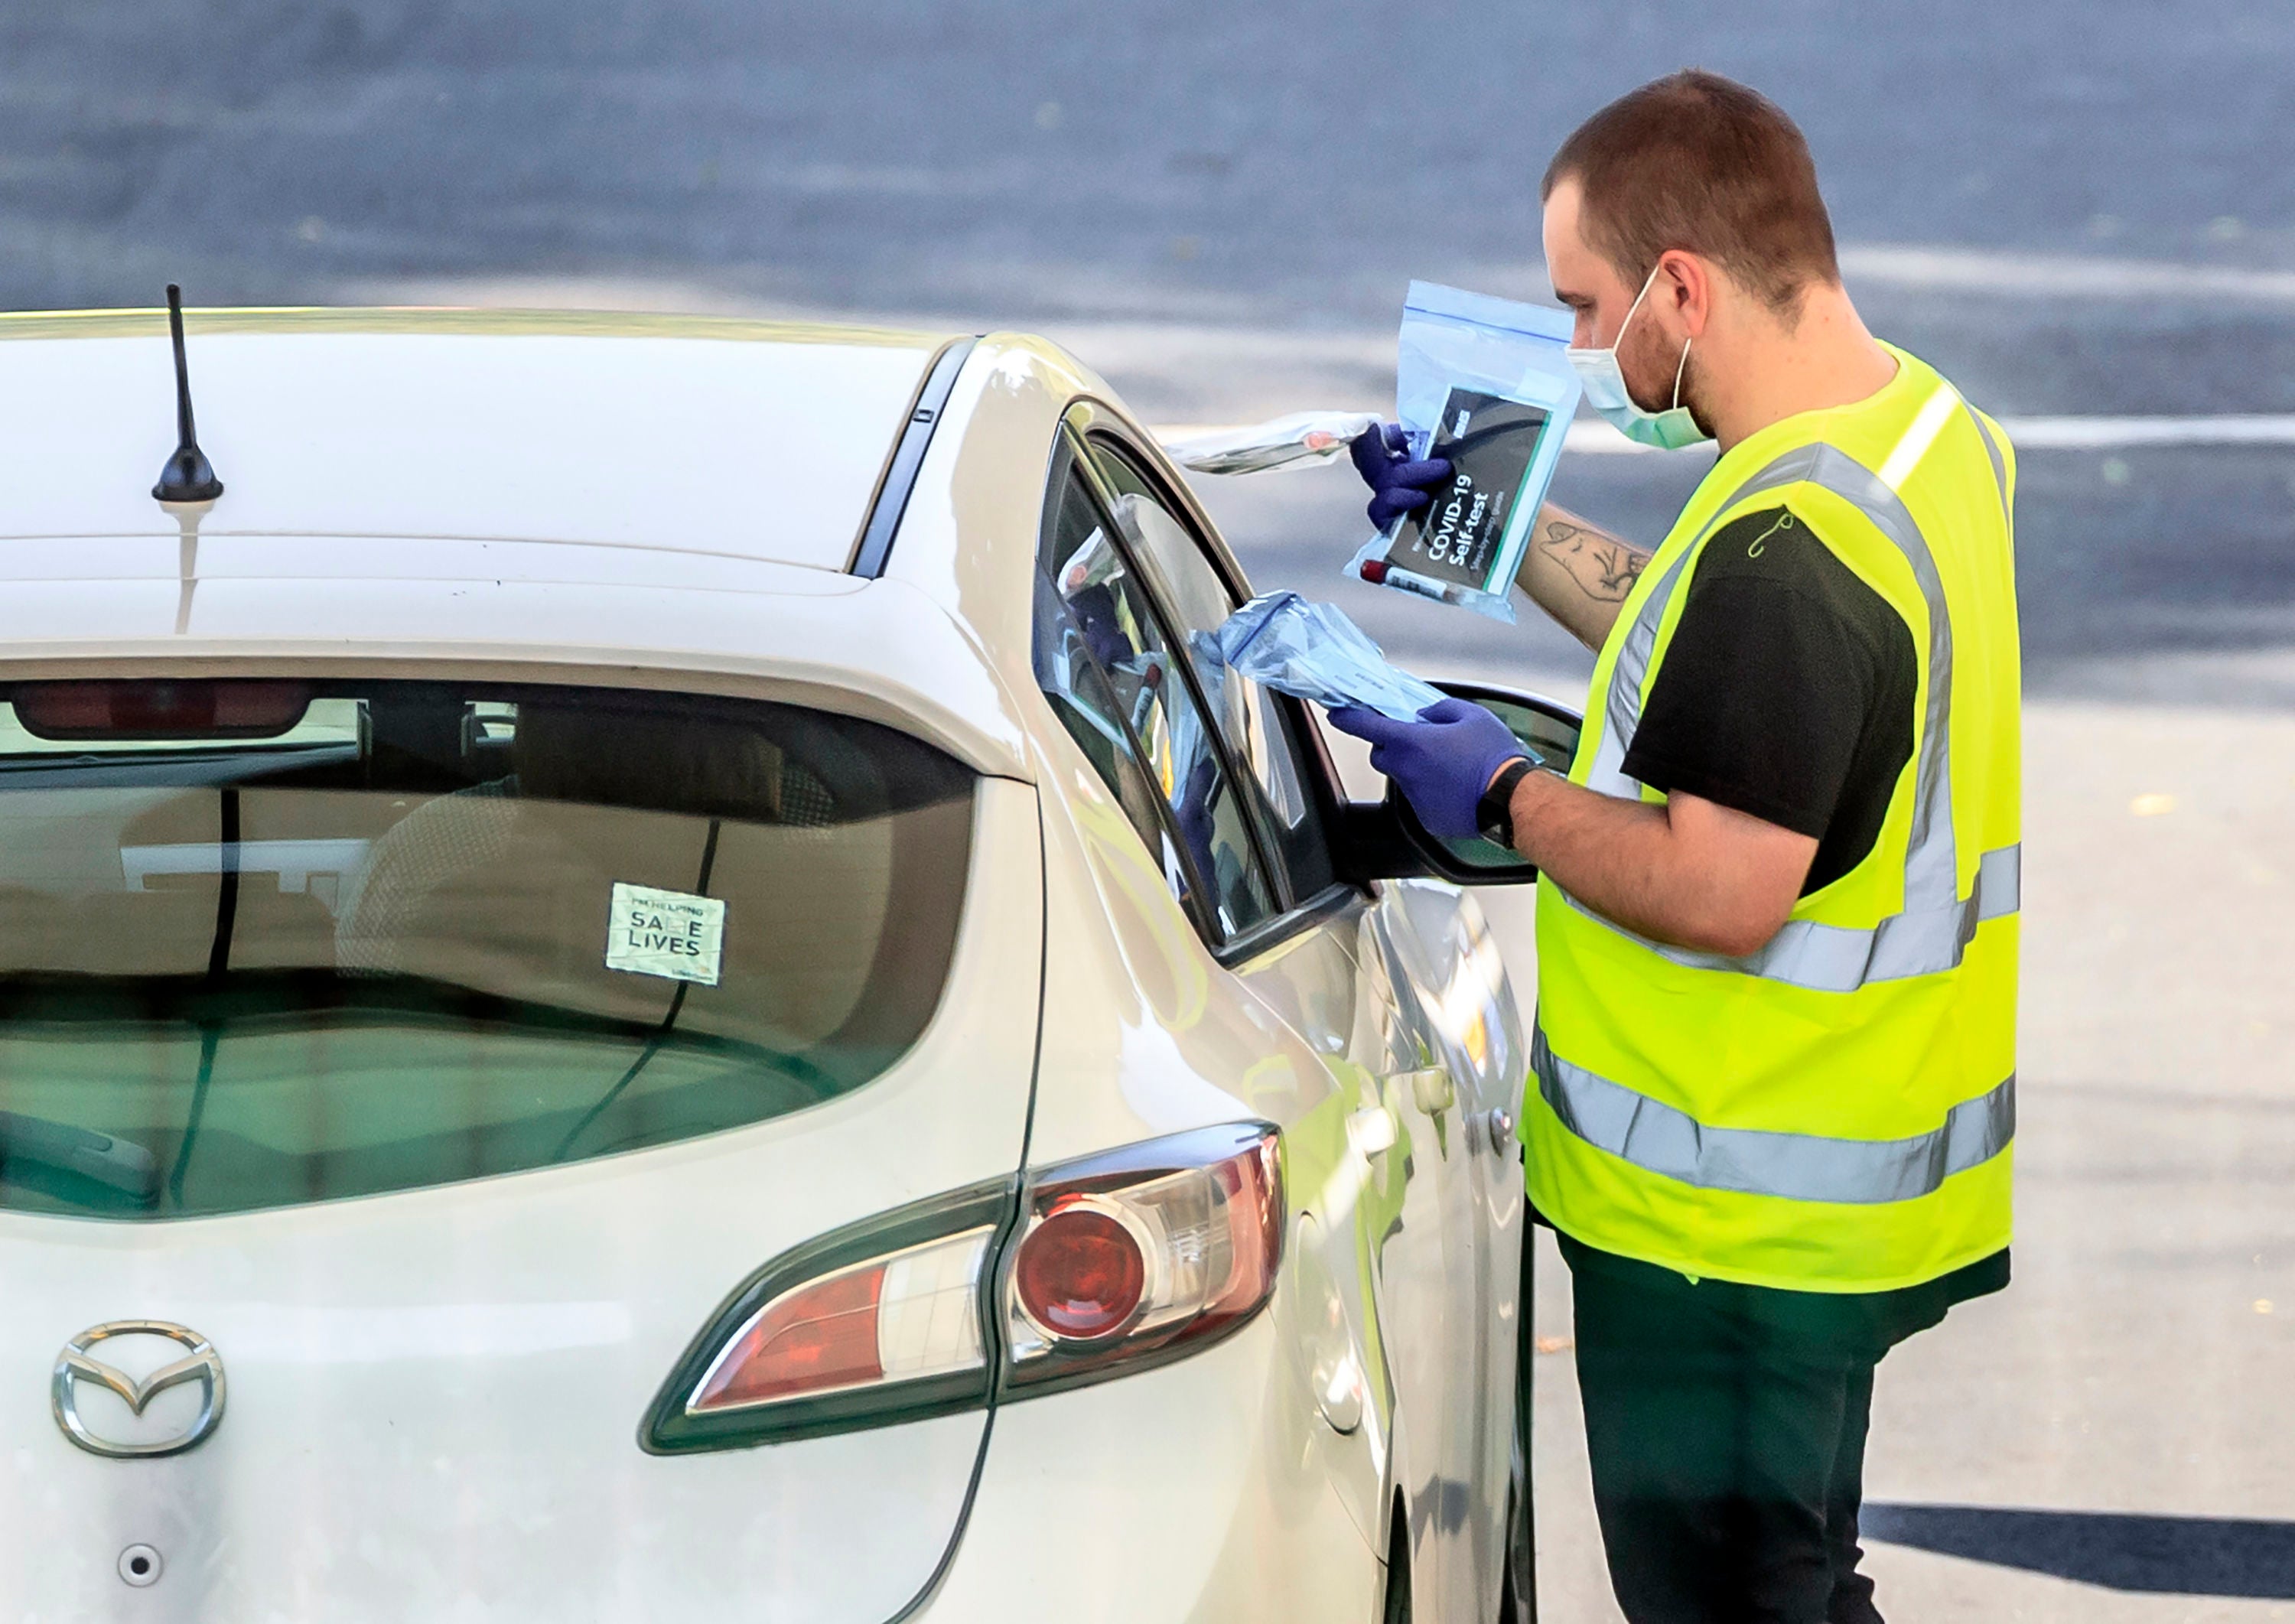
(1259, 725)
(1107, 661)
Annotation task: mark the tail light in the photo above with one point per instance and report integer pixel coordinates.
(1081, 1271)
(876, 1323)
(911, 1316)
(1117, 1262)
(1143, 1254)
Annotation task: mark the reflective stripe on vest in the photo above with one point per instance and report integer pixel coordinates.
(1992, 450)
(1660, 1139)
(1937, 924)
(1843, 957)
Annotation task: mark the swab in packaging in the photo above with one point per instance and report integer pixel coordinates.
(1485, 383)
(1297, 441)
(1313, 651)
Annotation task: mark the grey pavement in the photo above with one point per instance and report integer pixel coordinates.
(2070, 206)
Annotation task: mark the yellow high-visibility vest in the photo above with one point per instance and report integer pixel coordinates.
(1833, 1113)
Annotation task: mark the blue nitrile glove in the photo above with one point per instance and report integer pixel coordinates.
(1442, 763)
(1094, 608)
(1196, 826)
(1382, 456)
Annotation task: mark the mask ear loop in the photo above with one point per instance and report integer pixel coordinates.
(1619, 337)
(1680, 370)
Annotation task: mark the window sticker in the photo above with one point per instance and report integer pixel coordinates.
(671, 934)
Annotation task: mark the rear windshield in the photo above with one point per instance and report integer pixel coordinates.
(267, 942)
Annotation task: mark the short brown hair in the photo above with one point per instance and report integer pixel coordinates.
(1699, 162)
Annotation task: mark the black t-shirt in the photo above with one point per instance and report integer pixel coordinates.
(1786, 693)
(1858, 1324)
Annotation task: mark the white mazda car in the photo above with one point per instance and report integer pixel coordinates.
(646, 975)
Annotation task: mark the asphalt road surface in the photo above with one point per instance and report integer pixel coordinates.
(2072, 208)
(2076, 209)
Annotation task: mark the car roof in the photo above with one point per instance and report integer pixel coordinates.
(748, 439)
(604, 564)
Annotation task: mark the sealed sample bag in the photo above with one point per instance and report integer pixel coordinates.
(1313, 651)
(1299, 440)
(1483, 382)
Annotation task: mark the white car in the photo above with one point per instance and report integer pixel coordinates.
(642, 982)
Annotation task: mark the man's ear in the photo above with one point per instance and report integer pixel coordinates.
(1685, 289)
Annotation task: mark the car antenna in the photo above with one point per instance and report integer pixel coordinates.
(187, 475)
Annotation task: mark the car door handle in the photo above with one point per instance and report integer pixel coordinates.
(1431, 1089)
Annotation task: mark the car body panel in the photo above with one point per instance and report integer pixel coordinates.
(435, 1393)
(1371, 1032)
(1417, 1241)
(1256, 1477)
(968, 541)
(1448, 956)
(1216, 1509)
(876, 650)
(744, 438)
(220, 555)
(1184, 1051)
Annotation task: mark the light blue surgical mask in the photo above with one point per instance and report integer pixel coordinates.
(1606, 391)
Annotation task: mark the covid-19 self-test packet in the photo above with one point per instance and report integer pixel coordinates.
(1484, 383)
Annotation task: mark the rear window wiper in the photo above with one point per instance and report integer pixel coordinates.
(120, 1164)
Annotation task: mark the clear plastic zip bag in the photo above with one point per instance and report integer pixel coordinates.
(1485, 383)
(1313, 651)
(1297, 441)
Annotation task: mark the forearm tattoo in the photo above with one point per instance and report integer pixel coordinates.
(1604, 567)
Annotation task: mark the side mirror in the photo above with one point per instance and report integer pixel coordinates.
(1384, 839)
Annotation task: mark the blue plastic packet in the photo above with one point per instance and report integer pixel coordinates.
(1485, 383)
(1313, 651)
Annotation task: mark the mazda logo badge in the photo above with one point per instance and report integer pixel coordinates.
(75, 1366)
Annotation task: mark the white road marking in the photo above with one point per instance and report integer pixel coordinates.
(2066, 276)
(2099, 433)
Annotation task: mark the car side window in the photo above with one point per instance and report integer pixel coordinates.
(1081, 698)
(1103, 660)
(1258, 725)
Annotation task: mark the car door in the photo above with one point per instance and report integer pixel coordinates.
(1473, 1027)
(1346, 971)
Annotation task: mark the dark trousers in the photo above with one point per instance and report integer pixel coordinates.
(1725, 1425)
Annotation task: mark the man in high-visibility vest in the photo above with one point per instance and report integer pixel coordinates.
(1773, 1068)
